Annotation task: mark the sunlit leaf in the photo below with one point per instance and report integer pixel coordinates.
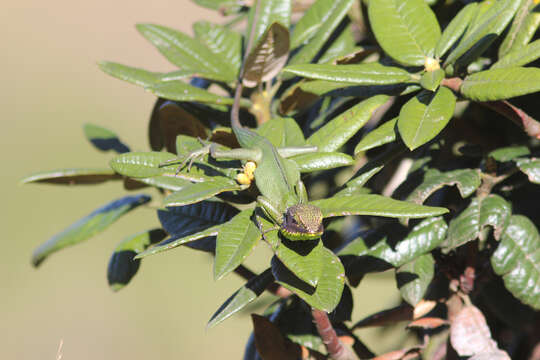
(455, 29)
(531, 168)
(180, 91)
(499, 84)
(322, 161)
(432, 79)
(142, 164)
(509, 153)
(199, 191)
(72, 176)
(282, 132)
(263, 13)
(414, 277)
(519, 57)
(466, 180)
(104, 139)
(509, 41)
(90, 225)
(383, 134)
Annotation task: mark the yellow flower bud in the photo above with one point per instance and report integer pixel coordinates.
(249, 168)
(431, 64)
(243, 179)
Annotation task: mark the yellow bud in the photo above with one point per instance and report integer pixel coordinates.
(243, 179)
(431, 64)
(250, 167)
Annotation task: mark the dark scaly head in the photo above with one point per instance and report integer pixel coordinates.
(302, 222)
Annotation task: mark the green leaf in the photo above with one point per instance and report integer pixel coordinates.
(328, 292)
(374, 205)
(424, 116)
(122, 267)
(361, 74)
(343, 45)
(226, 7)
(303, 258)
(414, 277)
(142, 164)
(490, 25)
(322, 161)
(172, 183)
(185, 52)
(245, 295)
(455, 29)
(423, 238)
(519, 57)
(130, 74)
(528, 29)
(383, 134)
(223, 42)
(180, 91)
(282, 132)
(263, 13)
(466, 180)
(268, 57)
(90, 225)
(499, 84)
(531, 168)
(104, 139)
(330, 15)
(356, 184)
(519, 21)
(492, 210)
(517, 260)
(72, 176)
(340, 129)
(509, 153)
(234, 243)
(432, 79)
(408, 31)
(199, 191)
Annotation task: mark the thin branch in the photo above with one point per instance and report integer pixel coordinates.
(334, 346)
(516, 115)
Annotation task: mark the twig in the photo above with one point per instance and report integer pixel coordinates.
(334, 346)
(516, 115)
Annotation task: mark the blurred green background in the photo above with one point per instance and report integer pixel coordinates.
(52, 86)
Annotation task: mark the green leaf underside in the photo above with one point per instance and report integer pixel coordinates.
(517, 260)
(374, 205)
(414, 277)
(455, 29)
(408, 31)
(432, 79)
(466, 180)
(509, 153)
(424, 116)
(72, 176)
(519, 57)
(235, 241)
(423, 238)
(282, 132)
(269, 12)
(499, 84)
(180, 91)
(327, 294)
(322, 161)
(185, 52)
(519, 21)
(122, 267)
(531, 168)
(492, 211)
(340, 129)
(330, 19)
(199, 191)
(361, 74)
(88, 226)
(245, 295)
(142, 77)
(172, 183)
(383, 134)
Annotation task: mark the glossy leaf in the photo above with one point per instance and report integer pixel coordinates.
(268, 56)
(199, 191)
(172, 183)
(340, 129)
(491, 24)
(517, 260)
(414, 277)
(241, 298)
(328, 292)
(122, 267)
(330, 15)
(531, 168)
(492, 210)
(142, 164)
(180, 91)
(361, 74)
(130, 74)
(223, 42)
(185, 52)
(90, 225)
(343, 45)
(72, 176)
(383, 134)
(519, 57)
(423, 238)
(499, 84)
(509, 153)
(263, 14)
(424, 116)
(235, 241)
(282, 132)
(528, 29)
(432, 79)
(374, 205)
(224, 6)
(355, 186)
(303, 258)
(322, 161)
(455, 29)
(408, 31)
(466, 180)
(104, 139)
(509, 41)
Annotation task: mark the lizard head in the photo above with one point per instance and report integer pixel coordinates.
(303, 222)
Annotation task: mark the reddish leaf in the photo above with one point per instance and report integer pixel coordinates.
(427, 323)
(469, 333)
(270, 343)
(399, 313)
(423, 307)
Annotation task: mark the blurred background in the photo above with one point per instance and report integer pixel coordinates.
(52, 86)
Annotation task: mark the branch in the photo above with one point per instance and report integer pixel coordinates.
(334, 346)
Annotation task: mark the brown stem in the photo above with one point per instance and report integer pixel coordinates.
(334, 346)
(516, 115)
(452, 83)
